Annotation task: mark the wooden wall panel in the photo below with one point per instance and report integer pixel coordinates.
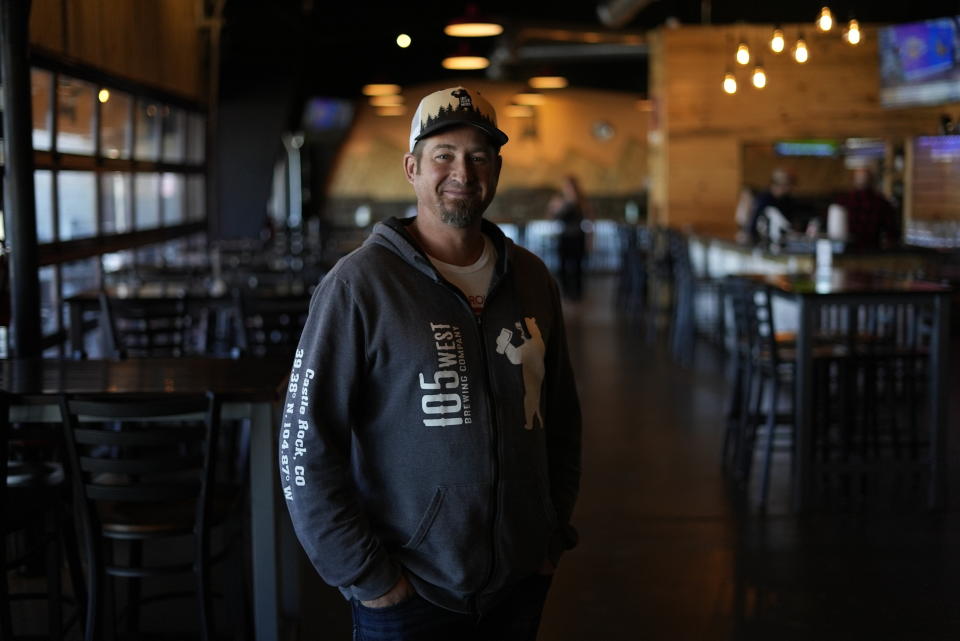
(155, 42)
(540, 153)
(834, 95)
(46, 24)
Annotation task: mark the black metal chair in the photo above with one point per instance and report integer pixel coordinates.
(764, 370)
(153, 327)
(269, 325)
(37, 529)
(144, 474)
(696, 303)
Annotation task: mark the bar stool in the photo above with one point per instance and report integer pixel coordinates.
(765, 367)
(143, 473)
(36, 519)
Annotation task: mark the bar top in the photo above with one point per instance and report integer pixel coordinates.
(840, 281)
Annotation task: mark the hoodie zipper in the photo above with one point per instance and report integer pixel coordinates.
(494, 435)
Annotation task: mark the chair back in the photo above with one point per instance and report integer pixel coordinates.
(152, 327)
(269, 325)
(128, 456)
(755, 334)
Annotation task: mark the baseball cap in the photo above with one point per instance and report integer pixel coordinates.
(452, 107)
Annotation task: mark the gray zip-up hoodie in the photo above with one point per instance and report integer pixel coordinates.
(417, 437)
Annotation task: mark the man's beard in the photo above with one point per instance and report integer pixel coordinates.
(461, 213)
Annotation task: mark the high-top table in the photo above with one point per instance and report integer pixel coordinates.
(849, 290)
(250, 389)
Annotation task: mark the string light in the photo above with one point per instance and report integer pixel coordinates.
(800, 52)
(852, 34)
(759, 77)
(825, 20)
(777, 43)
(729, 83)
(743, 53)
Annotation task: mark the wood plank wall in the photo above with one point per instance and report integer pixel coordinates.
(698, 131)
(154, 42)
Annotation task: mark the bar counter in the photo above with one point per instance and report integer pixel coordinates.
(718, 253)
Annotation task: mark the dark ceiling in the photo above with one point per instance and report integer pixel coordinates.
(333, 47)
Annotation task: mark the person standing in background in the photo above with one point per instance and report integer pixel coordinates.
(777, 196)
(872, 220)
(570, 209)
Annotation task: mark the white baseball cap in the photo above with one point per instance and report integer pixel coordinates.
(452, 107)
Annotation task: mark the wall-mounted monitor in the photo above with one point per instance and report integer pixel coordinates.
(920, 63)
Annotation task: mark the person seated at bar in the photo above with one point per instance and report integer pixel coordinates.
(872, 222)
(777, 197)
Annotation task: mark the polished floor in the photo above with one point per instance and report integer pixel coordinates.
(671, 552)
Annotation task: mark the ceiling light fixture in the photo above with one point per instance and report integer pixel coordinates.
(825, 20)
(852, 33)
(393, 100)
(548, 82)
(529, 97)
(404, 41)
(380, 89)
(472, 25)
(759, 77)
(777, 42)
(393, 110)
(465, 63)
(743, 53)
(729, 83)
(800, 52)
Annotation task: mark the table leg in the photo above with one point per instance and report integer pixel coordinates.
(263, 532)
(803, 401)
(939, 344)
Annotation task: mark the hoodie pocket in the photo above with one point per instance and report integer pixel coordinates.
(450, 545)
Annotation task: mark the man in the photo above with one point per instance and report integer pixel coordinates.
(762, 226)
(872, 221)
(430, 445)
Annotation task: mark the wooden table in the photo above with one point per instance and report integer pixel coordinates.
(250, 389)
(852, 290)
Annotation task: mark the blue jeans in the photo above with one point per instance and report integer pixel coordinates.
(515, 618)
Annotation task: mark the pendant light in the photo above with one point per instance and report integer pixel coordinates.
(777, 42)
(800, 52)
(729, 83)
(852, 33)
(743, 53)
(473, 25)
(825, 20)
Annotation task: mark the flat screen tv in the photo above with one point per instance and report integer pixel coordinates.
(920, 63)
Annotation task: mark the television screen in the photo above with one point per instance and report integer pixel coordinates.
(920, 63)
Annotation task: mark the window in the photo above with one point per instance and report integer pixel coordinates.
(77, 196)
(109, 191)
(75, 104)
(41, 87)
(174, 127)
(114, 123)
(148, 131)
(147, 195)
(171, 190)
(115, 199)
(43, 195)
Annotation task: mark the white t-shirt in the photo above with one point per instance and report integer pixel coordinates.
(473, 280)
